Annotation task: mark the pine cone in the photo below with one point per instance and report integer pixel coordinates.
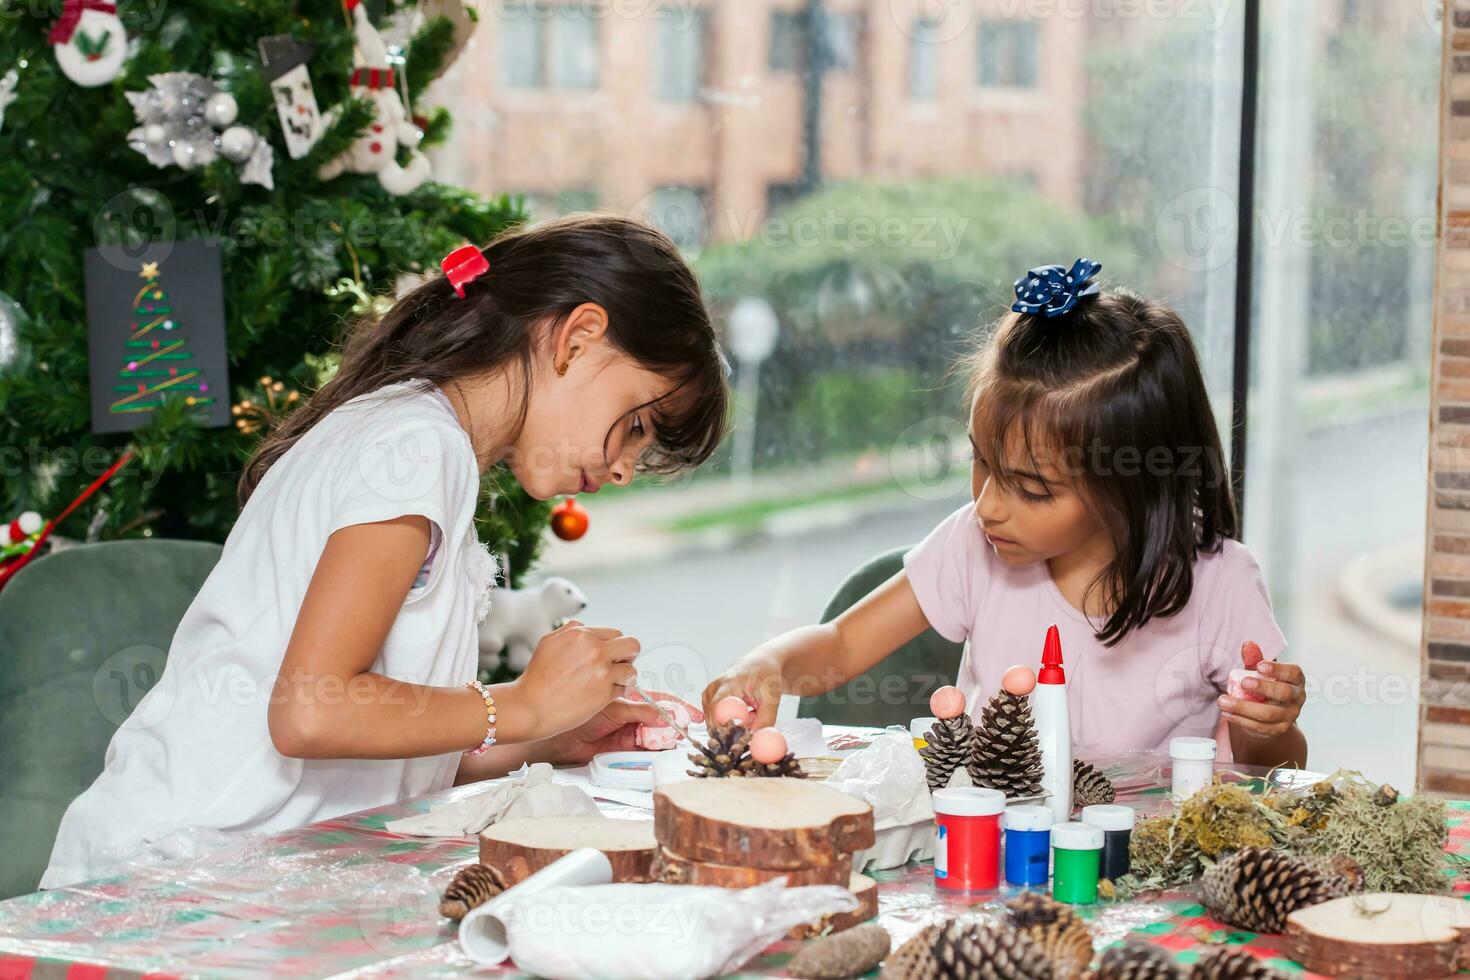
(1256, 888)
(1134, 960)
(1340, 873)
(729, 745)
(787, 766)
(1006, 754)
(1058, 931)
(846, 954)
(914, 960)
(1090, 786)
(950, 741)
(1232, 963)
(977, 951)
(474, 884)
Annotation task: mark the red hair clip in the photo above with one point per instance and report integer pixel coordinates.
(465, 264)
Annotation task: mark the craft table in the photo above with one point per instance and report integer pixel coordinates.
(344, 897)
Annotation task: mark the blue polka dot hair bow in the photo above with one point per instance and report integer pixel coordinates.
(1053, 291)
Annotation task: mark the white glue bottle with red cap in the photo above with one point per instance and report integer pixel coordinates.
(1054, 728)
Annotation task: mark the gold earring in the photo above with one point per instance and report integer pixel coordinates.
(561, 369)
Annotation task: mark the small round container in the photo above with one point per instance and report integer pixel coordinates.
(1028, 844)
(919, 730)
(1076, 860)
(967, 838)
(1116, 823)
(1193, 762)
(623, 770)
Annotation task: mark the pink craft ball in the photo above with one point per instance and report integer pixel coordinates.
(132, 365)
(1019, 680)
(732, 709)
(947, 702)
(768, 746)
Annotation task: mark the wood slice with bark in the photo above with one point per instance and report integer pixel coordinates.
(1382, 935)
(524, 845)
(865, 890)
(672, 869)
(777, 824)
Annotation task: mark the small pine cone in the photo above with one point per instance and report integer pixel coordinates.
(474, 884)
(1257, 888)
(1059, 932)
(788, 766)
(846, 954)
(1134, 960)
(1006, 754)
(1341, 875)
(728, 755)
(1090, 786)
(914, 960)
(1232, 963)
(979, 951)
(949, 743)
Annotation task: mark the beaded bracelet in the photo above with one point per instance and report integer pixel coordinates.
(489, 715)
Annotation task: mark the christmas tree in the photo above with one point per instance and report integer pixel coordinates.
(157, 368)
(88, 158)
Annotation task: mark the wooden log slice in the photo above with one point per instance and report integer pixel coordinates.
(672, 869)
(774, 824)
(522, 846)
(865, 889)
(1382, 935)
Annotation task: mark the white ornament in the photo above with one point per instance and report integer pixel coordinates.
(5, 541)
(220, 109)
(155, 134)
(89, 41)
(191, 155)
(7, 92)
(283, 63)
(519, 618)
(237, 143)
(376, 151)
(30, 522)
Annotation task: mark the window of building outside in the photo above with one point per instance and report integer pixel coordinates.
(884, 240)
(789, 40)
(1008, 54)
(679, 70)
(548, 47)
(923, 61)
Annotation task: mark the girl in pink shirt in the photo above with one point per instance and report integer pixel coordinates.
(1102, 503)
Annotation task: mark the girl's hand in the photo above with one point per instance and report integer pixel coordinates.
(613, 729)
(756, 681)
(574, 673)
(1283, 690)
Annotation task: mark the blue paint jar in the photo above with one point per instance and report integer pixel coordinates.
(1028, 844)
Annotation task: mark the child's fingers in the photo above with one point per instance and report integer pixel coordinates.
(1251, 725)
(1267, 712)
(1290, 673)
(622, 649)
(1273, 690)
(626, 712)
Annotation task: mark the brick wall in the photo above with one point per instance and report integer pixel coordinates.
(1444, 729)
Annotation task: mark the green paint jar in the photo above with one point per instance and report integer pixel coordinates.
(1076, 853)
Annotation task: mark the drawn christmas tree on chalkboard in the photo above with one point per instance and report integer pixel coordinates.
(159, 365)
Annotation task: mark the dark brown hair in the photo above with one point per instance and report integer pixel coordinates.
(1113, 394)
(538, 276)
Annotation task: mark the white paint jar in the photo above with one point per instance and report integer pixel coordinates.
(1193, 762)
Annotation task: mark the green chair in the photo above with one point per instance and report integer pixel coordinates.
(83, 636)
(898, 687)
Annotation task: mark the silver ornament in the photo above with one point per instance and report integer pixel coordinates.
(237, 143)
(155, 133)
(220, 109)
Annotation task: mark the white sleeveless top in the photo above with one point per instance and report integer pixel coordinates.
(195, 756)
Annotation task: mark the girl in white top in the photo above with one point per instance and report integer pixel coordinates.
(326, 665)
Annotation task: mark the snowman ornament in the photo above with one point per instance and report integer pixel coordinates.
(376, 151)
(89, 41)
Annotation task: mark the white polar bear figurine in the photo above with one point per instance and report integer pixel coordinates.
(519, 618)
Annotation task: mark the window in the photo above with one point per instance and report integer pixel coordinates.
(1008, 54)
(790, 40)
(924, 51)
(679, 55)
(548, 47)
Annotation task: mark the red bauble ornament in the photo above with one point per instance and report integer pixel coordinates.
(569, 519)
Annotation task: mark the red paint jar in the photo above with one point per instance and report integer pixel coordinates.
(967, 838)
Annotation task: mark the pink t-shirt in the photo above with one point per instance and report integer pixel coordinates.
(1161, 681)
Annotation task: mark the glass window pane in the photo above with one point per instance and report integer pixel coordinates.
(1345, 233)
(923, 61)
(521, 46)
(1008, 54)
(787, 39)
(679, 67)
(574, 48)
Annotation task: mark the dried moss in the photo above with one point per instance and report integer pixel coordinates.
(1399, 843)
